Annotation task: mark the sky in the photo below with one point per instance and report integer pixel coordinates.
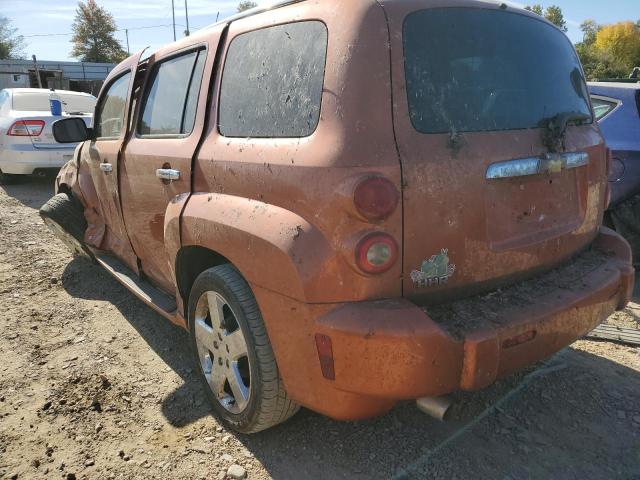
(149, 21)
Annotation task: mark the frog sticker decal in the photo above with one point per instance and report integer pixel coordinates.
(435, 271)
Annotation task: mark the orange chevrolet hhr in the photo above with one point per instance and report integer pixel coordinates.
(352, 202)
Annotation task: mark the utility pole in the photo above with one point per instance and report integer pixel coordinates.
(126, 32)
(186, 12)
(173, 14)
(35, 65)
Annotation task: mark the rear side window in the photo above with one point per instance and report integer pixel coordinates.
(602, 107)
(110, 114)
(272, 81)
(474, 70)
(170, 107)
(4, 101)
(31, 102)
(39, 102)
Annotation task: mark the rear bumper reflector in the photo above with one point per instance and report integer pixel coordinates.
(325, 354)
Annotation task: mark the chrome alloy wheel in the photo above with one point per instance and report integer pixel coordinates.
(222, 351)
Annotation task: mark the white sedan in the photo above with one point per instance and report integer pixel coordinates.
(27, 145)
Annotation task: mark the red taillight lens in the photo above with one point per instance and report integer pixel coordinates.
(376, 198)
(376, 253)
(26, 128)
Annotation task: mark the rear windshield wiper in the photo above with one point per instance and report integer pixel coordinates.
(77, 113)
(555, 128)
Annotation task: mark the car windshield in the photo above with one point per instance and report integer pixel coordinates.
(473, 70)
(39, 102)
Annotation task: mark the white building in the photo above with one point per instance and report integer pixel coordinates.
(78, 76)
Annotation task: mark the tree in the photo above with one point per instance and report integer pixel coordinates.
(610, 51)
(245, 5)
(553, 14)
(589, 31)
(11, 44)
(93, 39)
(620, 41)
(598, 66)
(535, 9)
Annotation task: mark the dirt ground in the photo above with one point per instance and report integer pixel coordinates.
(93, 384)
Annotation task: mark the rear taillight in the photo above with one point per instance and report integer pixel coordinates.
(376, 253)
(26, 128)
(376, 198)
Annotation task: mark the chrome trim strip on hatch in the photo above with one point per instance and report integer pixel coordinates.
(549, 163)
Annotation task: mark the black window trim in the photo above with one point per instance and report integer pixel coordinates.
(148, 85)
(227, 46)
(98, 107)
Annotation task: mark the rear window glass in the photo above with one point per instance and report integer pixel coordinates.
(39, 102)
(473, 70)
(272, 81)
(602, 107)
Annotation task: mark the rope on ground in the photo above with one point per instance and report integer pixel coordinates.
(550, 366)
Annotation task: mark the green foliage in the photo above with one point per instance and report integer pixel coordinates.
(598, 65)
(535, 9)
(589, 31)
(11, 44)
(93, 39)
(610, 51)
(245, 5)
(553, 14)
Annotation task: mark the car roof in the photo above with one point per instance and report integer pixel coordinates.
(616, 85)
(46, 90)
(254, 11)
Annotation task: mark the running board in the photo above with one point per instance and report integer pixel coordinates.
(156, 299)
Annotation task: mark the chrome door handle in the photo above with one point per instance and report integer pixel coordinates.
(106, 167)
(549, 163)
(168, 174)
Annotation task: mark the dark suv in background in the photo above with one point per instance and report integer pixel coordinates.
(617, 109)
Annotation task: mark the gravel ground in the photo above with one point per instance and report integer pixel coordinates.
(93, 384)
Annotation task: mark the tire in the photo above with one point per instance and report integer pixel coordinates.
(625, 219)
(220, 356)
(64, 215)
(8, 179)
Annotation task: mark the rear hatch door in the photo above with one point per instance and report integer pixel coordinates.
(493, 191)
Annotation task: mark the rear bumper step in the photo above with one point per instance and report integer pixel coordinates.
(396, 350)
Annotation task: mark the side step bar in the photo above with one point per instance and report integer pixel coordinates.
(156, 299)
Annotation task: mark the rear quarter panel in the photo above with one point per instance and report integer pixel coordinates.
(305, 185)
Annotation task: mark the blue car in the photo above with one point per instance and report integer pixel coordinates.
(617, 109)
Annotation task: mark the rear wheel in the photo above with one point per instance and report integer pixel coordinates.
(65, 218)
(235, 359)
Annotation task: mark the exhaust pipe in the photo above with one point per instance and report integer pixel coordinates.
(436, 407)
